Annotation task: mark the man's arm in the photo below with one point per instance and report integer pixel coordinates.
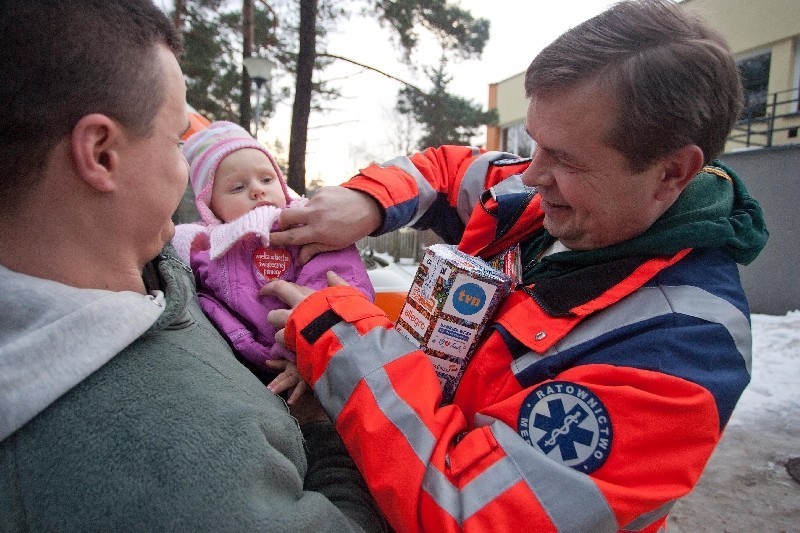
(435, 189)
(332, 473)
(429, 466)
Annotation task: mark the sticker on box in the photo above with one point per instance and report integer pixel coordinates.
(469, 298)
(419, 323)
(451, 339)
(444, 368)
(451, 299)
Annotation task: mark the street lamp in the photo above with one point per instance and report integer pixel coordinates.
(259, 69)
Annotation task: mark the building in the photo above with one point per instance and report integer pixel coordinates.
(764, 37)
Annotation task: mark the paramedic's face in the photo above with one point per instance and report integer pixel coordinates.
(245, 179)
(590, 196)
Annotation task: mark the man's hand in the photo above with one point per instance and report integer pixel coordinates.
(333, 219)
(307, 408)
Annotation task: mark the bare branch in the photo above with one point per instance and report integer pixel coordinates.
(274, 15)
(332, 124)
(379, 71)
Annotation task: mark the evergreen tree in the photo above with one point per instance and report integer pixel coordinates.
(456, 30)
(209, 60)
(443, 117)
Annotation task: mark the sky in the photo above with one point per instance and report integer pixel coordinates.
(359, 127)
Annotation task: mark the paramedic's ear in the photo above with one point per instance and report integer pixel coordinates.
(94, 145)
(679, 168)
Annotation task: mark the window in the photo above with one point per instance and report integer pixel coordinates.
(516, 140)
(755, 79)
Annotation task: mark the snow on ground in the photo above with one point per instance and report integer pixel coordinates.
(776, 367)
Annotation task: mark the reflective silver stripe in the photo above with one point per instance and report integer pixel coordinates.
(571, 499)
(426, 193)
(474, 183)
(359, 357)
(399, 413)
(510, 185)
(651, 302)
(648, 518)
(461, 505)
(696, 302)
(365, 356)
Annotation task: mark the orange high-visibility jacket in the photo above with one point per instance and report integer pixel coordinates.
(592, 403)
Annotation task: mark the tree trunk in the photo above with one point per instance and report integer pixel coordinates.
(302, 97)
(245, 113)
(177, 15)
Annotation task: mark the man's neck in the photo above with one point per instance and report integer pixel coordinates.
(65, 255)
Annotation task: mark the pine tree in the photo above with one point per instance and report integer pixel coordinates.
(443, 117)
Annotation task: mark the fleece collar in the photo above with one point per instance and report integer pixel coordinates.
(53, 336)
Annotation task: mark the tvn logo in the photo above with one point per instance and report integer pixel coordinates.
(469, 298)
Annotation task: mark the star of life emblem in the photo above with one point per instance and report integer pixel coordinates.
(568, 423)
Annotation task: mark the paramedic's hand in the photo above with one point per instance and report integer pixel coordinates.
(291, 294)
(333, 219)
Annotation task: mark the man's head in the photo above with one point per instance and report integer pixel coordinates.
(93, 111)
(65, 59)
(625, 109)
(672, 78)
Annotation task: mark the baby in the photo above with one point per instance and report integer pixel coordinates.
(239, 192)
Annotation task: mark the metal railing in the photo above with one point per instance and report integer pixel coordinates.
(759, 126)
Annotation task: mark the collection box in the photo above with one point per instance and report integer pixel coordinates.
(450, 301)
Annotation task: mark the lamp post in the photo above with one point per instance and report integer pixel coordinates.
(259, 69)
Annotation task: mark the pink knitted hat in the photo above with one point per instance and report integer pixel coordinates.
(206, 149)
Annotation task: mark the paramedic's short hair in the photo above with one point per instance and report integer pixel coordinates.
(673, 77)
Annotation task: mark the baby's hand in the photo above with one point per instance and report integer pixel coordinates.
(288, 378)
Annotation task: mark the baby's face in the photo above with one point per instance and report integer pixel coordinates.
(245, 180)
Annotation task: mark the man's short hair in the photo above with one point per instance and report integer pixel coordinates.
(672, 77)
(64, 59)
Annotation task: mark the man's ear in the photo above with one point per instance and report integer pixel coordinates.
(679, 168)
(95, 142)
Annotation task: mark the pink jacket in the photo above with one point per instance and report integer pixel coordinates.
(228, 286)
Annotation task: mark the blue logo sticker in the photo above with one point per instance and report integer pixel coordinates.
(469, 298)
(568, 423)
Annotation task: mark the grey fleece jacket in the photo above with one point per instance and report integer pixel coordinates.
(123, 412)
